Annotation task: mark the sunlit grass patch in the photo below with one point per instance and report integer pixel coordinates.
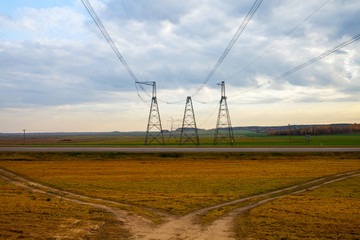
(330, 212)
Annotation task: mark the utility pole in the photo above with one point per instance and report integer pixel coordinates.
(24, 140)
(223, 130)
(154, 132)
(189, 132)
(289, 133)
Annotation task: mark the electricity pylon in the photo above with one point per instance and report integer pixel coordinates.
(173, 134)
(223, 131)
(189, 131)
(154, 132)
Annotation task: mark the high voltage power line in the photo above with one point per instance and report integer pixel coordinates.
(243, 25)
(268, 50)
(313, 60)
(241, 28)
(280, 40)
(125, 9)
(106, 35)
(108, 38)
(303, 65)
(189, 123)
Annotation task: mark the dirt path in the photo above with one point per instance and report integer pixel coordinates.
(129, 219)
(186, 228)
(176, 228)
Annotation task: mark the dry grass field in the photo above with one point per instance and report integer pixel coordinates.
(175, 183)
(330, 212)
(25, 214)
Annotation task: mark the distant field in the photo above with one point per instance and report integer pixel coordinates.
(245, 139)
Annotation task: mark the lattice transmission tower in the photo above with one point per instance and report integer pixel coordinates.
(223, 131)
(189, 132)
(154, 132)
(174, 129)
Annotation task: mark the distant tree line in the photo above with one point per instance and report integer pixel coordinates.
(319, 130)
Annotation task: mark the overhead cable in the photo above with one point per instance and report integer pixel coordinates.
(206, 102)
(280, 40)
(208, 117)
(125, 9)
(311, 61)
(243, 25)
(299, 67)
(106, 35)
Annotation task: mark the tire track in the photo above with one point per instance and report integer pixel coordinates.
(186, 228)
(225, 223)
(130, 220)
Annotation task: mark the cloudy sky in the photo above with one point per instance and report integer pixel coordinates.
(58, 73)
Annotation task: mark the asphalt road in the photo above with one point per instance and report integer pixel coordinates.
(173, 149)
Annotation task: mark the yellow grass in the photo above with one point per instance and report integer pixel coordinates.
(176, 183)
(28, 215)
(330, 212)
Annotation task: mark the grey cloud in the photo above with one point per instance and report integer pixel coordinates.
(35, 73)
(77, 62)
